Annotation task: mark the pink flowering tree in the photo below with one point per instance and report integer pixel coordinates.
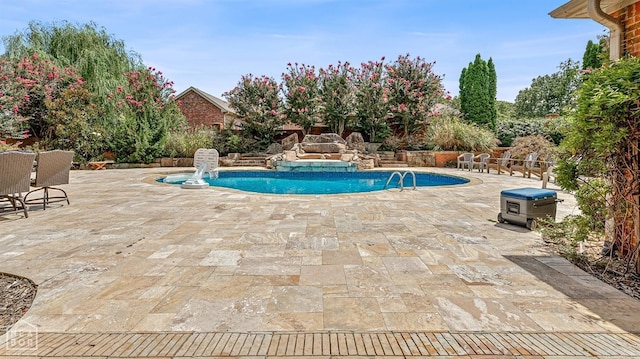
(12, 92)
(50, 103)
(413, 91)
(302, 95)
(337, 93)
(372, 101)
(27, 84)
(147, 112)
(257, 103)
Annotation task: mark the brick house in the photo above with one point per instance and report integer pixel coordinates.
(621, 17)
(203, 109)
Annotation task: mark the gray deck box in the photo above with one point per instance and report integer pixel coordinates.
(524, 206)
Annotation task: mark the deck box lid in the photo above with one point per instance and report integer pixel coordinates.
(528, 193)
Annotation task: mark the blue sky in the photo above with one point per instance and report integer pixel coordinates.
(210, 44)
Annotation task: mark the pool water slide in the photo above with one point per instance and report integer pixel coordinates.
(196, 181)
(205, 160)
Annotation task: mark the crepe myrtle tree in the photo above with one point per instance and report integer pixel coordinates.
(12, 92)
(147, 112)
(99, 58)
(337, 94)
(372, 100)
(257, 102)
(300, 85)
(413, 91)
(26, 84)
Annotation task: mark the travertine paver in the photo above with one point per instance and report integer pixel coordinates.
(137, 268)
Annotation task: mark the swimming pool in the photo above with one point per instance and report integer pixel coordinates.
(316, 182)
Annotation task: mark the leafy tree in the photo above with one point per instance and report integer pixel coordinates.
(70, 126)
(302, 95)
(602, 143)
(29, 82)
(257, 102)
(148, 112)
(372, 101)
(550, 94)
(478, 91)
(338, 96)
(98, 58)
(551, 128)
(505, 110)
(413, 92)
(592, 58)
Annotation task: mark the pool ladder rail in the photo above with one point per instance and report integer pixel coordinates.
(401, 177)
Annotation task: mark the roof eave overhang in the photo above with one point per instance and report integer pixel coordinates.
(577, 9)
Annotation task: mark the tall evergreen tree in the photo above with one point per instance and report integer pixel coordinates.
(478, 93)
(493, 93)
(592, 58)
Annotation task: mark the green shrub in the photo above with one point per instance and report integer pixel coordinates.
(449, 133)
(237, 144)
(586, 226)
(522, 146)
(510, 129)
(184, 142)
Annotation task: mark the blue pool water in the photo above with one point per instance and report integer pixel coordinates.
(316, 182)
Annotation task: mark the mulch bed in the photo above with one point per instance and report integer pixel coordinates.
(609, 269)
(16, 296)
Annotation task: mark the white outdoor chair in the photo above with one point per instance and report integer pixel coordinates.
(465, 160)
(480, 161)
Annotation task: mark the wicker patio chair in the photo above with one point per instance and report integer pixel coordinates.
(15, 175)
(52, 170)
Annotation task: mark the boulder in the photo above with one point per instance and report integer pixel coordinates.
(290, 156)
(274, 148)
(289, 141)
(347, 157)
(324, 143)
(366, 164)
(323, 147)
(355, 141)
(324, 138)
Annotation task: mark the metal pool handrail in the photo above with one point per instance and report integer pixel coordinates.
(401, 179)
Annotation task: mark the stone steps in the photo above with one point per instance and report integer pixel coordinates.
(388, 159)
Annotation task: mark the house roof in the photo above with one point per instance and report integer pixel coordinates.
(577, 9)
(219, 103)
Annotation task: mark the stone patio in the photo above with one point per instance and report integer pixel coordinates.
(133, 256)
